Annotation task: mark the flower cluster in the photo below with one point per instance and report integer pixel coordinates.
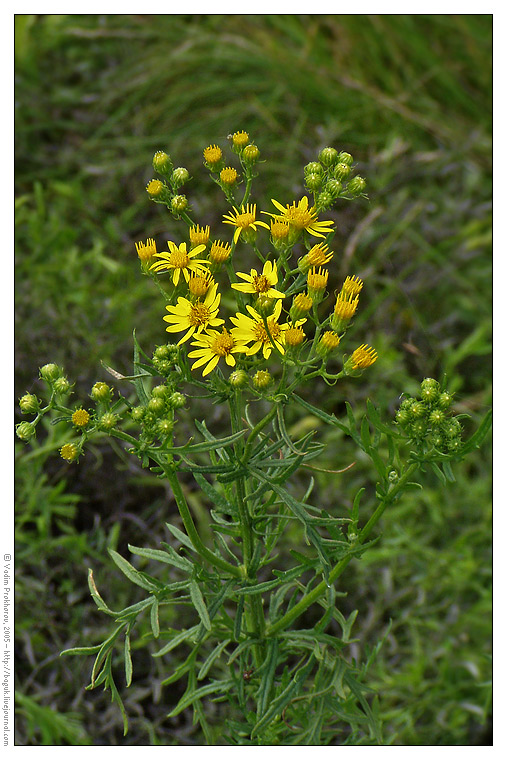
(278, 298)
(426, 419)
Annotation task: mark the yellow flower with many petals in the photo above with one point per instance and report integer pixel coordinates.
(243, 219)
(179, 260)
(260, 284)
(194, 317)
(300, 217)
(253, 328)
(213, 346)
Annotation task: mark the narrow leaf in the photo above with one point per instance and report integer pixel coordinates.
(131, 573)
(199, 604)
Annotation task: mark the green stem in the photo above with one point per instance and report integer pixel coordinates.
(289, 617)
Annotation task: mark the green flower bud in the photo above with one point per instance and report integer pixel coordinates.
(406, 404)
(429, 382)
(265, 306)
(179, 177)
(29, 404)
(179, 203)
(164, 427)
(25, 430)
(177, 400)
(452, 429)
(101, 392)
(341, 171)
(61, 385)
(160, 391)
(313, 182)
(162, 162)
(161, 352)
(356, 186)
(418, 428)
(156, 405)
(393, 476)
(345, 158)
(238, 378)
(417, 410)
(444, 400)
(437, 417)
(453, 445)
(163, 366)
(325, 200)
(108, 421)
(333, 187)
(137, 413)
(429, 395)
(313, 168)
(437, 439)
(328, 156)
(262, 379)
(402, 417)
(50, 372)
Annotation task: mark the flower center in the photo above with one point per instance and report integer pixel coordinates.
(179, 259)
(245, 220)
(223, 344)
(260, 283)
(298, 217)
(199, 315)
(261, 333)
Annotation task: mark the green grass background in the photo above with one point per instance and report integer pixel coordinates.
(410, 97)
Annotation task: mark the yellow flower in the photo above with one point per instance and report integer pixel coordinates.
(243, 219)
(240, 139)
(248, 329)
(69, 452)
(344, 310)
(363, 357)
(301, 305)
(179, 261)
(198, 235)
(199, 284)
(352, 286)
(219, 252)
(80, 418)
(146, 251)
(317, 281)
(260, 284)
(316, 257)
(328, 342)
(279, 231)
(194, 317)
(294, 336)
(212, 154)
(229, 175)
(155, 188)
(213, 346)
(300, 217)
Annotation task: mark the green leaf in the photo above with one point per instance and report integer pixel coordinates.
(480, 434)
(268, 676)
(81, 650)
(169, 557)
(155, 623)
(128, 661)
(446, 467)
(214, 655)
(96, 596)
(199, 604)
(179, 638)
(377, 422)
(238, 619)
(217, 499)
(365, 434)
(217, 443)
(138, 383)
(212, 688)
(292, 690)
(180, 536)
(131, 573)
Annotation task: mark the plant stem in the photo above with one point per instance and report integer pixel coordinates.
(287, 619)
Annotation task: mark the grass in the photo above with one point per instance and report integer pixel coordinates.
(410, 97)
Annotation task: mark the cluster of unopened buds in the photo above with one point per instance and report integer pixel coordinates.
(261, 326)
(427, 419)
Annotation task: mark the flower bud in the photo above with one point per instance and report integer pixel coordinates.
(212, 157)
(50, 372)
(163, 366)
(345, 158)
(301, 305)
(328, 342)
(239, 141)
(156, 405)
(101, 392)
(279, 234)
(29, 404)
(262, 380)
(238, 378)
(294, 336)
(198, 235)
(429, 382)
(313, 168)
(164, 427)
(452, 429)
(341, 171)
(402, 417)
(356, 186)
(324, 200)
(177, 400)
(265, 306)
(436, 439)
(333, 187)
(418, 428)
(162, 162)
(61, 386)
(361, 358)
(25, 430)
(444, 400)
(313, 182)
(80, 418)
(328, 156)
(393, 476)
(251, 154)
(219, 253)
(317, 281)
(228, 176)
(453, 445)
(437, 417)
(160, 391)
(317, 256)
(69, 452)
(108, 421)
(179, 203)
(157, 190)
(417, 410)
(180, 176)
(137, 413)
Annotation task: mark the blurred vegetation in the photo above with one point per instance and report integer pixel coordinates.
(410, 97)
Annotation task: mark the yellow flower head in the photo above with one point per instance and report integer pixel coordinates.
(80, 418)
(328, 342)
(260, 284)
(212, 154)
(155, 188)
(279, 231)
(199, 284)
(198, 235)
(344, 309)
(244, 220)
(179, 260)
(229, 175)
(194, 317)
(317, 282)
(300, 217)
(294, 336)
(219, 252)
(316, 257)
(301, 305)
(213, 346)
(69, 452)
(252, 330)
(363, 357)
(146, 251)
(240, 139)
(352, 286)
